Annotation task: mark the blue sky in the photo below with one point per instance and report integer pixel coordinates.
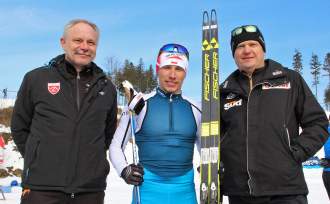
(30, 32)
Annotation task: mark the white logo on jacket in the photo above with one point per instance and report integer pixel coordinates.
(231, 104)
(281, 86)
(231, 96)
(275, 73)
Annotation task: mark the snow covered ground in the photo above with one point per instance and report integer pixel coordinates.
(119, 192)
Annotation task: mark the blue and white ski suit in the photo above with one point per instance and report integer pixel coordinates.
(166, 130)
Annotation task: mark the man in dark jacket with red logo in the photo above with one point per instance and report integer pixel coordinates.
(263, 105)
(63, 122)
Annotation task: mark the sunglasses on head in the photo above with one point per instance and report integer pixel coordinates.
(247, 28)
(174, 48)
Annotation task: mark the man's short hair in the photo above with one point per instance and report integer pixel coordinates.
(76, 21)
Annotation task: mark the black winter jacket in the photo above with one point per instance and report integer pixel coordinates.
(261, 147)
(64, 129)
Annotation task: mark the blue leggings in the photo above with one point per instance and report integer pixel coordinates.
(172, 190)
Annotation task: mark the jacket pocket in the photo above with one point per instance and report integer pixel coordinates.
(287, 136)
(93, 166)
(289, 145)
(31, 154)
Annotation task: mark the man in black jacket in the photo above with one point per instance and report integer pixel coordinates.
(263, 105)
(63, 122)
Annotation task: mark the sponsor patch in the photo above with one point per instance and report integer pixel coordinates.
(231, 96)
(281, 86)
(231, 104)
(54, 88)
(275, 73)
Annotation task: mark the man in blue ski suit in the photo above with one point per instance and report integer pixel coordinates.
(167, 127)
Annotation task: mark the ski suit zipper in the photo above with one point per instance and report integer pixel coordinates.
(171, 109)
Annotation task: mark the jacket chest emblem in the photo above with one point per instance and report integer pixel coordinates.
(231, 104)
(231, 96)
(281, 86)
(54, 88)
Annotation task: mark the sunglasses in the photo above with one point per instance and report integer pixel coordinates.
(247, 28)
(174, 48)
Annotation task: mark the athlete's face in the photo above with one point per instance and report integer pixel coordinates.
(249, 56)
(171, 78)
(79, 44)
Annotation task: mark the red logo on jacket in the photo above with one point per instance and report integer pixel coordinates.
(54, 88)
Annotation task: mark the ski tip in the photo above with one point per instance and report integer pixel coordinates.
(213, 16)
(205, 18)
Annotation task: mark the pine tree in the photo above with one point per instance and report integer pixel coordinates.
(315, 71)
(297, 61)
(151, 79)
(141, 83)
(327, 98)
(326, 66)
(142, 80)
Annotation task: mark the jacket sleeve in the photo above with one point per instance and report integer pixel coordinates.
(313, 121)
(111, 122)
(120, 139)
(22, 115)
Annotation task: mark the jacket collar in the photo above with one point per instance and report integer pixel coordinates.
(165, 94)
(68, 71)
(273, 73)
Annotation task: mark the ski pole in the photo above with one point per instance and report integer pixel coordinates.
(136, 189)
(126, 85)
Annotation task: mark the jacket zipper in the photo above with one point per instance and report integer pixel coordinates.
(78, 94)
(247, 133)
(171, 120)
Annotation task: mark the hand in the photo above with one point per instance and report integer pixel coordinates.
(133, 174)
(324, 163)
(136, 103)
(135, 100)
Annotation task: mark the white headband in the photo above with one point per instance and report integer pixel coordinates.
(177, 59)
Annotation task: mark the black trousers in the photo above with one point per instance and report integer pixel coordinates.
(285, 199)
(56, 197)
(326, 181)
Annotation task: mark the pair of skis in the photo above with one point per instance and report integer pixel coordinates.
(210, 133)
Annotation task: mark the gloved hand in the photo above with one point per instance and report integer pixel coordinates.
(136, 103)
(135, 100)
(324, 163)
(133, 174)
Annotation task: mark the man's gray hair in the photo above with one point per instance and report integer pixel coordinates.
(76, 21)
